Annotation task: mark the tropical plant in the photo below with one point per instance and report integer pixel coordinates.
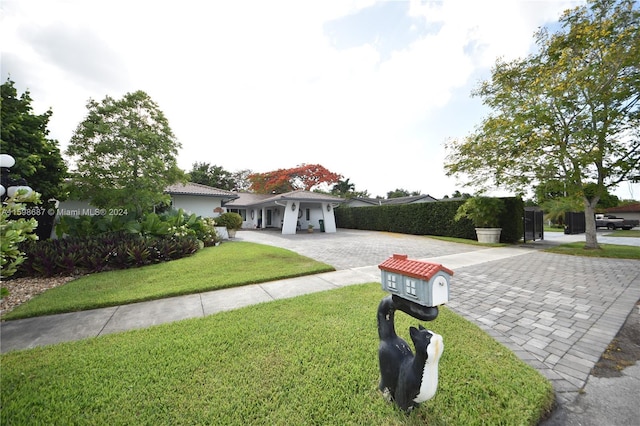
(109, 251)
(343, 188)
(484, 212)
(15, 231)
(555, 208)
(150, 224)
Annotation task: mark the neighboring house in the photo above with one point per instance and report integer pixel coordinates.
(203, 200)
(368, 202)
(631, 211)
(290, 211)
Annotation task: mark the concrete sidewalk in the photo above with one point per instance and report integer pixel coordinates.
(50, 329)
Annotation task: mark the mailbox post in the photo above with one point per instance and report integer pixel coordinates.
(416, 288)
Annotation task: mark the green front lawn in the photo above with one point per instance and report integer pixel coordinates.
(306, 360)
(622, 233)
(213, 268)
(613, 251)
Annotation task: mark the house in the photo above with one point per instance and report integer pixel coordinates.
(424, 283)
(193, 198)
(201, 200)
(631, 211)
(290, 211)
(368, 202)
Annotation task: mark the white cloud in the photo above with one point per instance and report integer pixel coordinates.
(259, 85)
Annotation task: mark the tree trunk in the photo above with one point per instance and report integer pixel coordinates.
(590, 224)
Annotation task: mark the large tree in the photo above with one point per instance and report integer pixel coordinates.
(305, 176)
(24, 137)
(212, 175)
(568, 112)
(347, 189)
(241, 179)
(125, 154)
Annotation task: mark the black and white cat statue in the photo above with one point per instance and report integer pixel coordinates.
(405, 378)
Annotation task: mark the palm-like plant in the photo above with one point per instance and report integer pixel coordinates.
(556, 208)
(343, 187)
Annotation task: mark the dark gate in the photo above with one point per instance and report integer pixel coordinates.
(533, 224)
(574, 223)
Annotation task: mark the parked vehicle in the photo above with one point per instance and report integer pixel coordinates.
(613, 222)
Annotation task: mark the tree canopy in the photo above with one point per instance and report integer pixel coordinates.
(568, 112)
(212, 175)
(306, 177)
(24, 137)
(400, 192)
(346, 189)
(124, 154)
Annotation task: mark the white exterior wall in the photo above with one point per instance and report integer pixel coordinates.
(201, 206)
(290, 218)
(627, 215)
(317, 212)
(329, 217)
(290, 215)
(75, 208)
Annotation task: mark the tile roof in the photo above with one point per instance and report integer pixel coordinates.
(399, 263)
(631, 208)
(396, 200)
(249, 199)
(409, 199)
(191, 188)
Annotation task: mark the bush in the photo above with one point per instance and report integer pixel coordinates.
(229, 220)
(175, 222)
(15, 231)
(205, 231)
(484, 212)
(75, 256)
(435, 218)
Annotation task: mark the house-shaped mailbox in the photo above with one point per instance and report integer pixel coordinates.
(424, 283)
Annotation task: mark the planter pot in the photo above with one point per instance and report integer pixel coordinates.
(488, 235)
(310, 230)
(232, 233)
(222, 232)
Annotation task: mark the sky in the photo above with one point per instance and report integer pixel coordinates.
(370, 90)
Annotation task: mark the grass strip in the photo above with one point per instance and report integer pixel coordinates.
(633, 233)
(228, 265)
(613, 251)
(306, 360)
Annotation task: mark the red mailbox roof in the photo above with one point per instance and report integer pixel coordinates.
(400, 264)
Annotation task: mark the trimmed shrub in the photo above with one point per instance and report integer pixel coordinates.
(230, 220)
(76, 256)
(435, 218)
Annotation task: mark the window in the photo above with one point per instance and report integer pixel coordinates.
(391, 282)
(411, 288)
(241, 212)
(308, 214)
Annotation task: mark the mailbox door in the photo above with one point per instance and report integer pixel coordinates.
(440, 290)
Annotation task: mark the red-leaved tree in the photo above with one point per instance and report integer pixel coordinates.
(305, 176)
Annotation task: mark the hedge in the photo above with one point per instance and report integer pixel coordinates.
(434, 218)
